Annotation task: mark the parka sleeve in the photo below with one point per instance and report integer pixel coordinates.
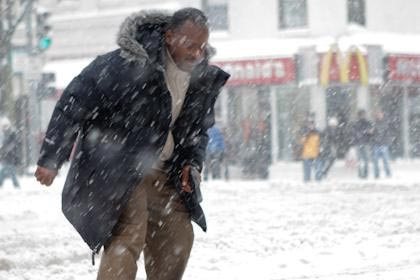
(196, 154)
(78, 102)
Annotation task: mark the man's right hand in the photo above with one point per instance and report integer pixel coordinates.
(45, 176)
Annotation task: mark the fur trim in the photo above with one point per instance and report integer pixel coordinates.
(131, 49)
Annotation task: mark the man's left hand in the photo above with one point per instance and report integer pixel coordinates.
(185, 179)
(190, 173)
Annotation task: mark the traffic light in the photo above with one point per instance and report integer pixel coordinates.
(43, 29)
(46, 86)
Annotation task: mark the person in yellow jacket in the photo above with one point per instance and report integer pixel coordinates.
(311, 143)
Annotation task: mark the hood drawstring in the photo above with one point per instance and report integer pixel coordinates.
(93, 258)
(95, 252)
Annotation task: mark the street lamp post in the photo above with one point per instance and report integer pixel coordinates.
(32, 77)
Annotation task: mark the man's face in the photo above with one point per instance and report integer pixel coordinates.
(187, 44)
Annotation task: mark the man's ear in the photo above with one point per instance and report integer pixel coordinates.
(169, 37)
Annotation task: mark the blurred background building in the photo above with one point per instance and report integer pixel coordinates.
(289, 60)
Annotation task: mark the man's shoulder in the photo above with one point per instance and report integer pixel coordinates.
(216, 70)
(101, 63)
(212, 75)
(113, 63)
(110, 58)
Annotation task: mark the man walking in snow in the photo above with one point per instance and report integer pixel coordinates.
(140, 115)
(380, 144)
(362, 133)
(9, 158)
(215, 154)
(329, 146)
(311, 141)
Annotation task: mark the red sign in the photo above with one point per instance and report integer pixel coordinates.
(404, 68)
(260, 71)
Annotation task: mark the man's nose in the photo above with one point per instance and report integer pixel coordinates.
(196, 53)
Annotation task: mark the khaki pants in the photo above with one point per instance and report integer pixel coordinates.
(156, 220)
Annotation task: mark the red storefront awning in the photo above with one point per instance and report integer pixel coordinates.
(260, 71)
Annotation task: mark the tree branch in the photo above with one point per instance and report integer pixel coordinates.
(11, 30)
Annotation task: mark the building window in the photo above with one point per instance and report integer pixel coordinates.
(292, 14)
(217, 13)
(356, 12)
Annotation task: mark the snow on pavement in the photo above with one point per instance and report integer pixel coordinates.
(340, 229)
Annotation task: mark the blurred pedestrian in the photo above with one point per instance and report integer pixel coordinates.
(229, 157)
(248, 148)
(380, 144)
(141, 114)
(9, 153)
(255, 150)
(311, 141)
(262, 151)
(215, 154)
(362, 134)
(329, 146)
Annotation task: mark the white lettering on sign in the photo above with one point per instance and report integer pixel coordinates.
(408, 67)
(255, 70)
(262, 71)
(279, 71)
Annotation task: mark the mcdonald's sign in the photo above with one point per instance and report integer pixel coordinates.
(336, 67)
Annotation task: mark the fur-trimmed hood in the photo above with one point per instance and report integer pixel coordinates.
(141, 36)
(128, 35)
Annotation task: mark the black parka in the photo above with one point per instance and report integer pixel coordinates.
(119, 110)
(362, 132)
(381, 133)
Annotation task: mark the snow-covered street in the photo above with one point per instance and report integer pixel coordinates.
(340, 229)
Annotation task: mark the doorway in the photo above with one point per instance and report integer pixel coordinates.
(340, 102)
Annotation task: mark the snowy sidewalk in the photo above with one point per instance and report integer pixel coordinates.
(404, 171)
(280, 229)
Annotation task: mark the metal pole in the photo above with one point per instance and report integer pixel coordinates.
(32, 77)
(204, 5)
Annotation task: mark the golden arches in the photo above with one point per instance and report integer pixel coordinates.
(344, 65)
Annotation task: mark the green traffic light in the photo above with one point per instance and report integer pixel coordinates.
(45, 43)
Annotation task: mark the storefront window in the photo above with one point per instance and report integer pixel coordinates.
(249, 130)
(414, 122)
(292, 14)
(356, 11)
(287, 123)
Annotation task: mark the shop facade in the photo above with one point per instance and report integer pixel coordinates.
(400, 97)
(259, 109)
(344, 88)
(273, 96)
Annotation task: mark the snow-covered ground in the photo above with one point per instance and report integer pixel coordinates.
(340, 229)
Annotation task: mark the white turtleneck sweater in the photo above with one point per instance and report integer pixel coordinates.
(177, 82)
